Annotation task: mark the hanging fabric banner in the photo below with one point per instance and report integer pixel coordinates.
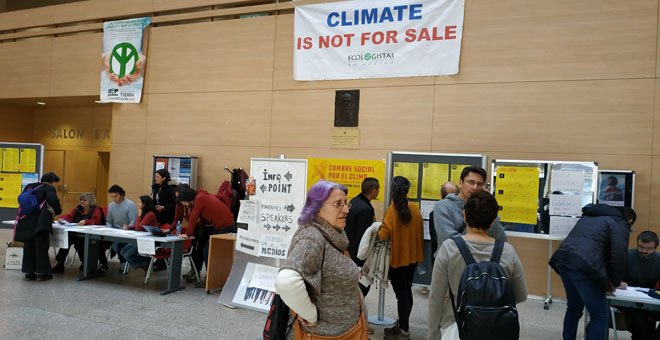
(377, 39)
(123, 60)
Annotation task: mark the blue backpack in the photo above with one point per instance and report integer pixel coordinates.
(27, 201)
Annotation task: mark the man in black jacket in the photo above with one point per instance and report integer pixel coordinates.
(592, 261)
(360, 216)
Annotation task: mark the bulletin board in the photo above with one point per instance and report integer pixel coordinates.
(20, 164)
(426, 173)
(542, 197)
(183, 169)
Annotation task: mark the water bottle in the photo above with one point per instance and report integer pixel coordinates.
(178, 228)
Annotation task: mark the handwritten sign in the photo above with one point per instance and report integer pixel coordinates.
(516, 190)
(264, 277)
(146, 245)
(59, 238)
(562, 225)
(274, 245)
(562, 180)
(425, 207)
(247, 242)
(248, 211)
(567, 205)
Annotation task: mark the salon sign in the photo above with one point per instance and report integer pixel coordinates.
(377, 39)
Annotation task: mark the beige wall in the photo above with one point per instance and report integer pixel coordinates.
(571, 81)
(17, 123)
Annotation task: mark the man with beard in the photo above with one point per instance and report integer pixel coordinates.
(643, 270)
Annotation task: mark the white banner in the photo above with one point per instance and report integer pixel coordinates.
(377, 39)
(124, 61)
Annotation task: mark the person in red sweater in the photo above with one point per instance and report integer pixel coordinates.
(85, 213)
(208, 216)
(147, 216)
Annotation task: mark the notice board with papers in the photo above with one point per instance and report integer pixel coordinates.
(20, 165)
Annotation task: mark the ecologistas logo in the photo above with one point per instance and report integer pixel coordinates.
(124, 57)
(371, 57)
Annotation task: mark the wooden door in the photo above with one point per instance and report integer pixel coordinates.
(102, 175)
(80, 172)
(54, 162)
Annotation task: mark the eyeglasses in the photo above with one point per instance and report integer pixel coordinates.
(340, 204)
(472, 182)
(649, 249)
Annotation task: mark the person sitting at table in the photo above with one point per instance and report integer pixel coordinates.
(85, 213)
(216, 218)
(148, 217)
(643, 270)
(122, 213)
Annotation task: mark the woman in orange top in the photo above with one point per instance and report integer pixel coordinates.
(404, 226)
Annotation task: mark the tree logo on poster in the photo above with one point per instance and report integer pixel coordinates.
(123, 55)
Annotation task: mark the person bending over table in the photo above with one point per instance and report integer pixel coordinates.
(643, 270)
(85, 213)
(216, 218)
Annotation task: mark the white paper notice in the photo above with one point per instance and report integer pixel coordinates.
(567, 205)
(425, 207)
(264, 277)
(277, 216)
(561, 226)
(274, 245)
(174, 167)
(248, 211)
(427, 231)
(146, 245)
(59, 238)
(247, 242)
(160, 165)
(566, 181)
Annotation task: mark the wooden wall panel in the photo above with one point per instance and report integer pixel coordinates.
(27, 18)
(390, 118)
(17, 124)
(283, 73)
(94, 9)
(518, 40)
(76, 65)
(126, 162)
(129, 122)
(211, 118)
(26, 68)
(67, 128)
(609, 117)
(229, 55)
(654, 196)
(656, 118)
(534, 257)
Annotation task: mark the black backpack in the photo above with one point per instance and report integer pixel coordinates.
(485, 304)
(277, 325)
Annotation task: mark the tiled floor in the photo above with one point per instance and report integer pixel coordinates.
(121, 307)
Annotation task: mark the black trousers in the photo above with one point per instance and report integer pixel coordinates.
(78, 242)
(641, 323)
(202, 235)
(35, 254)
(401, 279)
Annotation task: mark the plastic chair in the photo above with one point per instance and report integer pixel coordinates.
(188, 254)
(618, 322)
(164, 254)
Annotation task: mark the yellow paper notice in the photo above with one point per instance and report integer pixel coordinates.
(409, 171)
(456, 170)
(516, 191)
(28, 160)
(433, 176)
(10, 160)
(10, 188)
(349, 172)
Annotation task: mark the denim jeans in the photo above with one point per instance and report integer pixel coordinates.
(582, 291)
(130, 253)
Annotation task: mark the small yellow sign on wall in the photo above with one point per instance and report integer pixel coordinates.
(345, 138)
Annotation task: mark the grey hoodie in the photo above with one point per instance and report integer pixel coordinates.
(448, 219)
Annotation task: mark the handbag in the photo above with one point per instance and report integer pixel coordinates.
(357, 332)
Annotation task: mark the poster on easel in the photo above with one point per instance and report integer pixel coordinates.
(271, 216)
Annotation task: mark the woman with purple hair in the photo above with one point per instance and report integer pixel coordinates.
(317, 280)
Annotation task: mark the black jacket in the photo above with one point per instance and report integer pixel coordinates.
(597, 245)
(164, 195)
(360, 217)
(39, 220)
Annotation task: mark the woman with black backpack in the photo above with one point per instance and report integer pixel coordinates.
(35, 223)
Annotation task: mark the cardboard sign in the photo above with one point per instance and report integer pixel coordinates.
(14, 258)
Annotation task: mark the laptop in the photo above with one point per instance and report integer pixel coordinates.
(155, 231)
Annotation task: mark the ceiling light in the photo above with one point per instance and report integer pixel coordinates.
(98, 101)
(41, 103)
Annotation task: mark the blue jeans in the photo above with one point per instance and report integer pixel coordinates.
(130, 253)
(582, 291)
